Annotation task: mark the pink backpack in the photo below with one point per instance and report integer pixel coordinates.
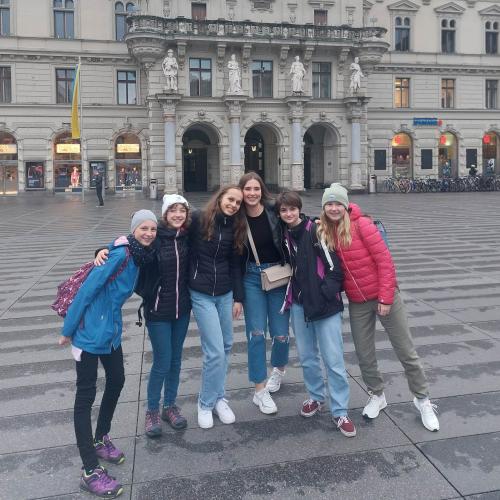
(67, 290)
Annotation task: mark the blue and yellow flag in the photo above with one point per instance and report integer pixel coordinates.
(75, 122)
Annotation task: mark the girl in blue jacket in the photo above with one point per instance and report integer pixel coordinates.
(93, 325)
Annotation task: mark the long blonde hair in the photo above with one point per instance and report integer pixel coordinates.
(335, 234)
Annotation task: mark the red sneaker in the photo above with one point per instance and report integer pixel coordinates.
(345, 425)
(310, 407)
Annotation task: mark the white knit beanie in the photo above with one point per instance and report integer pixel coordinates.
(172, 199)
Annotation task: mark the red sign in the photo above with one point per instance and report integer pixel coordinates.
(486, 138)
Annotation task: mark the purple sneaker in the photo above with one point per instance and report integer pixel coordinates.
(106, 450)
(101, 484)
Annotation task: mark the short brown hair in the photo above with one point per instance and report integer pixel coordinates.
(289, 198)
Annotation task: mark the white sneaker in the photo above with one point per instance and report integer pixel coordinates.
(428, 413)
(225, 414)
(374, 405)
(274, 381)
(265, 402)
(205, 418)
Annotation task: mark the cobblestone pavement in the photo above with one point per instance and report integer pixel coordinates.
(446, 250)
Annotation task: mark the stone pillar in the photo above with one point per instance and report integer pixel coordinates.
(296, 105)
(168, 102)
(234, 102)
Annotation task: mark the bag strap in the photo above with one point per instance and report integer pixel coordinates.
(309, 227)
(252, 245)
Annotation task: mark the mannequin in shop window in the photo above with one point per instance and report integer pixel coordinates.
(75, 177)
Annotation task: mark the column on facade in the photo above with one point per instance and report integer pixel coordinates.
(168, 102)
(236, 167)
(296, 105)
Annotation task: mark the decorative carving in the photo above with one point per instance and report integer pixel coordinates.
(166, 8)
(283, 56)
(234, 76)
(181, 54)
(356, 75)
(201, 113)
(170, 68)
(308, 52)
(245, 54)
(221, 54)
(263, 116)
(343, 58)
(298, 72)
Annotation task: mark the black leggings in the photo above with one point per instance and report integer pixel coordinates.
(86, 378)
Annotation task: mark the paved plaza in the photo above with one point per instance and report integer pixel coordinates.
(446, 251)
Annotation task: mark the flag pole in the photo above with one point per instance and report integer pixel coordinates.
(81, 125)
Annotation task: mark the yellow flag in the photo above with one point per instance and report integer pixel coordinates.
(75, 122)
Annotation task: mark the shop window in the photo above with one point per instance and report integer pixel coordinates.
(322, 80)
(402, 93)
(448, 155)
(490, 153)
(128, 163)
(491, 35)
(320, 17)
(64, 14)
(491, 94)
(64, 85)
(67, 164)
(5, 84)
(380, 159)
(471, 157)
(199, 11)
(126, 87)
(401, 155)
(426, 159)
(35, 174)
(4, 17)
(447, 93)
(262, 78)
(200, 77)
(448, 36)
(402, 34)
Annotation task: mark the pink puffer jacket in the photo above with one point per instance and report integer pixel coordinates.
(369, 271)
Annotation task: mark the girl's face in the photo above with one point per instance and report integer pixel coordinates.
(176, 216)
(145, 233)
(252, 193)
(290, 215)
(334, 211)
(230, 201)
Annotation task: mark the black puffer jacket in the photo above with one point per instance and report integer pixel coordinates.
(320, 296)
(164, 284)
(215, 264)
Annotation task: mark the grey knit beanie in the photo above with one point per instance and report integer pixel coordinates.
(336, 192)
(139, 217)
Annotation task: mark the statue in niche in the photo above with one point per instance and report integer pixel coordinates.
(170, 69)
(298, 72)
(234, 76)
(356, 75)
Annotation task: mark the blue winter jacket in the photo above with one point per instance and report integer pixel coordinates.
(94, 319)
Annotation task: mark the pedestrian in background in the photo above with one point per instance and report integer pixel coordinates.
(99, 182)
(371, 287)
(93, 325)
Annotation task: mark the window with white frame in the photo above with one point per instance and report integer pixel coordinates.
(448, 30)
(491, 37)
(122, 10)
(4, 17)
(402, 34)
(491, 94)
(64, 18)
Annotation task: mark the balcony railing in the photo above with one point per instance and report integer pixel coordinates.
(181, 26)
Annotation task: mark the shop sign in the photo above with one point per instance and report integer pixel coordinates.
(68, 148)
(8, 149)
(127, 148)
(427, 122)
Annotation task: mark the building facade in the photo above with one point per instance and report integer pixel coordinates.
(193, 94)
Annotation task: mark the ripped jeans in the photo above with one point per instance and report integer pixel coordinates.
(263, 309)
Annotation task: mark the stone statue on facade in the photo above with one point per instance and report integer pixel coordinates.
(298, 72)
(170, 69)
(234, 76)
(356, 75)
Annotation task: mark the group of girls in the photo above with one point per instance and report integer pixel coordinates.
(202, 261)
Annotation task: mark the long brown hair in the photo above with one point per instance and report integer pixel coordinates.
(335, 234)
(212, 208)
(265, 195)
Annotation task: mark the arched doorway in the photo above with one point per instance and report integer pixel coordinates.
(402, 156)
(200, 159)
(448, 155)
(320, 156)
(261, 154)
(8, 164)
(128, 163)
(67, 164)
(491, 153)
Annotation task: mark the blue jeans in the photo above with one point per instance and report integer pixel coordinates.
(263, 308)
(214, 316)
(327, 333)
(167, 339)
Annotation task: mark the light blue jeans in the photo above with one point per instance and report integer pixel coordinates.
(214, 316)
(167, 339)
(262, 308)
(327, 334)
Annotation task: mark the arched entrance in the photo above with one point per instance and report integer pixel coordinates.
(320, 156)
(200, 158)
(402, 156)
(491, 153)
(448, 155)
(8, 164)
(261, 153)
(128, 163)
(67, 164)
